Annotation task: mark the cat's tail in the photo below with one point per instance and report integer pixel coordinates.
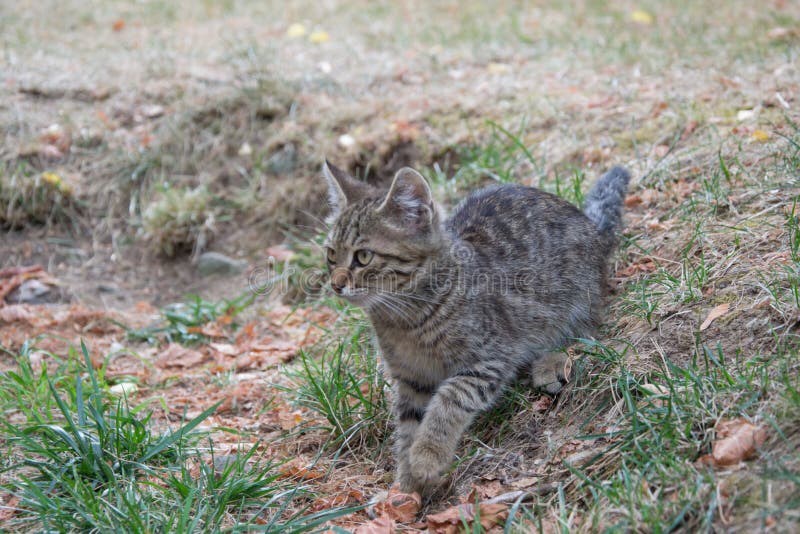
(603, 204)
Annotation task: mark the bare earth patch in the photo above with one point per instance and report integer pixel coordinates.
(138, 137)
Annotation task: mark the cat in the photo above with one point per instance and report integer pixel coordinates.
(461, 305)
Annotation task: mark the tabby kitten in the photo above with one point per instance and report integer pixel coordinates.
(461, 305)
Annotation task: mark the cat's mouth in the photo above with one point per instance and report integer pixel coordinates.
(355, 295)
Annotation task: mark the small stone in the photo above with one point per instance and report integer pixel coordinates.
(283, 161)
(33, 292)
(151, 111)
(245, 149)
(209, 263)
(745, 114)
(123, 389)
(225, 462)
(103, 287)
(347, 140)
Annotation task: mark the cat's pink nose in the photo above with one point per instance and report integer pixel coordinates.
(339, 279)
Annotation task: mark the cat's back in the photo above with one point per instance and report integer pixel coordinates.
(508, 221)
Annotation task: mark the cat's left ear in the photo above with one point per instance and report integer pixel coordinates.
(409, 200)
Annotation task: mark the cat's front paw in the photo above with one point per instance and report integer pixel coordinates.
(423, 472)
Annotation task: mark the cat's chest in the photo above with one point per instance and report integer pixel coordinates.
(407, 354)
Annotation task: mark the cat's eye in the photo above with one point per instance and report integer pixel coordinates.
(331, 255)
(363, 256)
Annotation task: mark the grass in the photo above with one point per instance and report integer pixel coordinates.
(345, 385)
(718, 220)
(79, 459)
(182, 322)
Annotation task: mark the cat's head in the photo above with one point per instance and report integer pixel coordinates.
(378, 241)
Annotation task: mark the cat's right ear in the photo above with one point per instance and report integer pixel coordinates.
(342, 188)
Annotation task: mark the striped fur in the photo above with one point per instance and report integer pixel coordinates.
(461, 306)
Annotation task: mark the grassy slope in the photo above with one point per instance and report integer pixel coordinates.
(712, 218)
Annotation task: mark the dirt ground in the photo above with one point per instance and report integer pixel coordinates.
(135, 107)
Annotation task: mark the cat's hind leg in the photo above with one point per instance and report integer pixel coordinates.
(550, 371)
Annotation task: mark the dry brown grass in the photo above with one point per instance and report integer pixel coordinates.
(701, 103)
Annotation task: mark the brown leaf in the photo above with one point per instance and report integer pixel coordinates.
(225, 348)
(542, 404)
(399, 506)
(737, 440)
(453, 519)
(298, 468)
(689, 129)
(632, 201)
(289, 419)
(379, 525)
(8, 508)
(643, 265)
(14, 271)
(525, 482)
(781, 33)
(15, 312)
(662, 150)
(715, 313)
(280, 252)
(338, 500)
(486, 491)
(176, 355)
(118, 25)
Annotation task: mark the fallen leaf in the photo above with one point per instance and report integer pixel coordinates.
(176, 355)
(661, 150)
(320, 36)
(298, 468)
(715, 313)
(760, 135)
(486, 491)
(338, 500)
(118, 25)
(498, 68)
(542, 404)
(225, 348)
(151, 111)
(657, 109)
(737, 440)
(644, 265)
(783, 33)
(280, 252)
(379, 525)
(631, 201)
(525, 482)
(296, 30)
(642, 17)
(399, 506)
(8, 508)
(453, 519)
(405, 130)
(689, 129)
(15, 312)
(289, 419)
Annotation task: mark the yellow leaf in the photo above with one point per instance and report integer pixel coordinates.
(51, 178)
(498, 68)
(760, 136)
(296, 30)
(642, 17)
(319, 37)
